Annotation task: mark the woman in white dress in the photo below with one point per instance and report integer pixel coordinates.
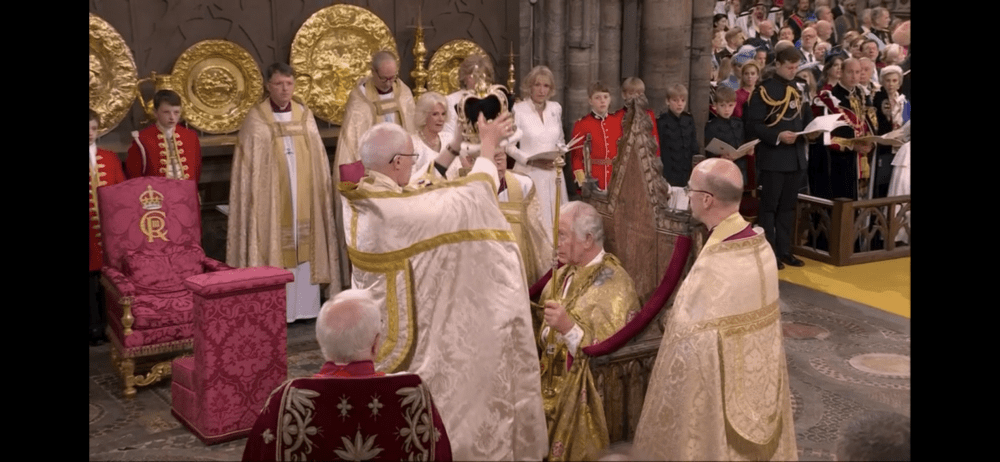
(540, 123)
(429, 140)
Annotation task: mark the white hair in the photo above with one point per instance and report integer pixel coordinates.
(347, 326)
(585, 221)
(426, 104)
(380, 143)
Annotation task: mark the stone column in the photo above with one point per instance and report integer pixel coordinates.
(610, 49)
(554, 55)
(665, 52)
(580, 54)
(701, 65)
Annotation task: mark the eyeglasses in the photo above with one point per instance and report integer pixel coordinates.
(385, 79)
(688, 191)
(401, 154)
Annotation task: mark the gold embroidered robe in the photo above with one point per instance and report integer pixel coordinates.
(364, 109)
(520, 207)
(443, 262)
(719, 387)
(260, 229)
(600, 299)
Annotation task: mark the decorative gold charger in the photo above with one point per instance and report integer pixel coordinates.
(113, 74)
(331, 52)
(443, 69)
(219, 82)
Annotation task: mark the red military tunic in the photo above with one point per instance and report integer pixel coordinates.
(604, 134)
(107, 172)
(161, 154)
(620, 115)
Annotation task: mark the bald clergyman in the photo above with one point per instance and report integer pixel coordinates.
(719, 387)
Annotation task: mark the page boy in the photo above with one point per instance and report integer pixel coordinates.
(678, 139)
(725, 127)
(604, 133)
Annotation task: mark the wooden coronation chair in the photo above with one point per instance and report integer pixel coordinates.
(151, 230)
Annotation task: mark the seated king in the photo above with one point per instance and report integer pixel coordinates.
(587, 301)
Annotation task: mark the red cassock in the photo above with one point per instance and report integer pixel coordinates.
(158, 152)
(107, 172)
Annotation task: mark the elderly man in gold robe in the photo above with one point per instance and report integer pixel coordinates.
(379, 97)
(280, 196)
(719, 387)
(587, 301)
(442, 259)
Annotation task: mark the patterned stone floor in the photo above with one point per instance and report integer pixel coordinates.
(844, 359)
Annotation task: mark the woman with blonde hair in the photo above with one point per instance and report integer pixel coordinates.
(749, 77)
(540, 123)
(429, 140)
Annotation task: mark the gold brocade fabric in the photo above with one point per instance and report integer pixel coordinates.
(361, 113)
(600, 299)
(719, 387)
(291, 253)
(259, 216)
(443, 262)
(524, 215)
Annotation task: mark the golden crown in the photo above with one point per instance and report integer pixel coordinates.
(490, 100)
(151, 199)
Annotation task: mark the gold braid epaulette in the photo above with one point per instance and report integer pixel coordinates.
(777, 105)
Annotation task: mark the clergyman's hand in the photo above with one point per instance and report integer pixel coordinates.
(490, 133)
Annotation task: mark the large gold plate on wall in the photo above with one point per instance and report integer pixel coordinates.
(331, 52)
(443, 68)
(113, 76)
(219, 82)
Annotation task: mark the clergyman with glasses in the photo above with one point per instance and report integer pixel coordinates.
(379, 97)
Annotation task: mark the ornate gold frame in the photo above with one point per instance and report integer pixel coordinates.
(113, 75)
(331, 52)
(443, 68)
(219, 82)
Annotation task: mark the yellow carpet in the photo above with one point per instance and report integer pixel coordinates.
(884, 285)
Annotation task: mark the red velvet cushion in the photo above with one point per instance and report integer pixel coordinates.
(186, 260)
(151, 271)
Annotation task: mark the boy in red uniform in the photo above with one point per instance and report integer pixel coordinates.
(165, 148)
(604, 133)
(105, 169)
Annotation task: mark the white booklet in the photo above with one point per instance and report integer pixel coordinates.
(721, 148)
(825, 123)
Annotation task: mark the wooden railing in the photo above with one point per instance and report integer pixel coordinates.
(843, 232)
(621, 379)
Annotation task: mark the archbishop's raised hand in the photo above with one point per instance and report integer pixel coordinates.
(491, 132)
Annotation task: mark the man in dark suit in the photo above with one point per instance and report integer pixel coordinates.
(777, 110)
